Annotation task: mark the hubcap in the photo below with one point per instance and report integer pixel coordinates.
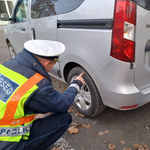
(83, 98)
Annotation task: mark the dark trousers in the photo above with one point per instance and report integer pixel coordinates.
(45, 132)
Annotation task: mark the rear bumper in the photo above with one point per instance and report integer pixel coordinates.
(115, 81)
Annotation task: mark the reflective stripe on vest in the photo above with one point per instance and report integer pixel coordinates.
(15, 131)
(14, 91)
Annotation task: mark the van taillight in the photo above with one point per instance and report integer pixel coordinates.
(123, 36)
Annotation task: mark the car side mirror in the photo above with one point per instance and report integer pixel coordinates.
(4, 17)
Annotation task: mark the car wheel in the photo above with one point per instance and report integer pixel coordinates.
(11, 50)
(88, 100)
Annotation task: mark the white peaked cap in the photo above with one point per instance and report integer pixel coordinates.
(45, 48)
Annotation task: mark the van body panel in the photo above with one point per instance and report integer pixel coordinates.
(116, 74)
(17, 31)
(142, 57)
(47, 30)
(83, 40)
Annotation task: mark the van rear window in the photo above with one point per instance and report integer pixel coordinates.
(143, 3)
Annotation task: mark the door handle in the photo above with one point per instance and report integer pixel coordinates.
(33, 34)
(23, 29)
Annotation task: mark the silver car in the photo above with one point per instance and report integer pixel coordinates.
(108, 40)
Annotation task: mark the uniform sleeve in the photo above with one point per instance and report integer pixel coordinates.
(47, 99)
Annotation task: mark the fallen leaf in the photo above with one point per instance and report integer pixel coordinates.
(93, 135)
(79, 115)
(111, 146)
(73, 124)
(56, 148)
(122, 142)
(72, 109)
(101, 133)
(136, 146)
(86, 126)
(146, 146)
(76, 124)
(106, 131)
(73, 130)
(79, 124)
(141, 149)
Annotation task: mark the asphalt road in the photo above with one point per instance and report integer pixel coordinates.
(120, 128)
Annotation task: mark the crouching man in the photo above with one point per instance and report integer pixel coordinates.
(25, 90)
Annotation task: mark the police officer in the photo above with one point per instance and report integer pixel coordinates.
(25, 90)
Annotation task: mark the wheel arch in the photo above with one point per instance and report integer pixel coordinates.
(69, 66)
(71, 61)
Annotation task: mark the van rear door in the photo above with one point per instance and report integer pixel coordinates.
(142, 38)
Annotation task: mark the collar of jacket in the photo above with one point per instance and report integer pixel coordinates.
(27, 59)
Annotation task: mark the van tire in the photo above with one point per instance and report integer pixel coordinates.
(96, 105)
(11, 50)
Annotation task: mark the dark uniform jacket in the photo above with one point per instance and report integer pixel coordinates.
(46, 98)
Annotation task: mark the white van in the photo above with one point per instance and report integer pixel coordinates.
(108, 39)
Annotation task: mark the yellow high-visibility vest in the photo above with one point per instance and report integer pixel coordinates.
(15, 89)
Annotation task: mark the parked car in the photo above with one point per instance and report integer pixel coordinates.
(108, 40)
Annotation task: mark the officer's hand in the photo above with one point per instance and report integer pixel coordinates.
(80, 77)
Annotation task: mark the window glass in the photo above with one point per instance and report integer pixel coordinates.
(21, 11)
(2, 7)
(143, 3)
(43, 8)
(65, 6)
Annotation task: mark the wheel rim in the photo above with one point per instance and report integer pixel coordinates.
(12, 52)
(83, 98)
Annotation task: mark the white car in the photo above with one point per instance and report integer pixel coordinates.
(107, 39)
